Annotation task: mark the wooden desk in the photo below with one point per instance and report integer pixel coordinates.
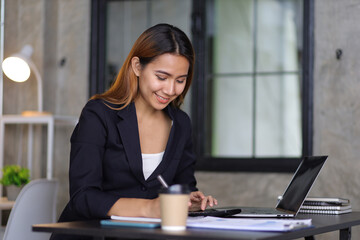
(322, 224)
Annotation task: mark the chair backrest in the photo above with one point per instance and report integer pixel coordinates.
(35, 204)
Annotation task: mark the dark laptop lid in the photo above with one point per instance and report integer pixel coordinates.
(300, 184)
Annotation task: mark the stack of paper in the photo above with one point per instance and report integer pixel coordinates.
(333, 206)
(249, 224)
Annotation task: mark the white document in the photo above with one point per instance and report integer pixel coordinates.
(249, 224)
(136, 219)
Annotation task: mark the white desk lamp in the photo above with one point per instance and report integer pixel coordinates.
(18, 67)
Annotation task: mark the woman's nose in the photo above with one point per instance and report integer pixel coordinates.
(169, 88)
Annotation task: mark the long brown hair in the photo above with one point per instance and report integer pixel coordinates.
(155, 41)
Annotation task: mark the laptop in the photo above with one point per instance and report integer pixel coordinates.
(295, 193)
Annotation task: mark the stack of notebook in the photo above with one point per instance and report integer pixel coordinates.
(334, 206)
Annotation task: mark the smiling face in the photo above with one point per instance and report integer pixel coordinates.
(162, 80)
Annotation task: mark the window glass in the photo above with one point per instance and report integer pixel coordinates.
(123, 28)
(254, 79)
(232, 117)
(233, 36)
(278, 36)
(278, 116)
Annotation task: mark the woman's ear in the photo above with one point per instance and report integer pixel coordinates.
(136, 66)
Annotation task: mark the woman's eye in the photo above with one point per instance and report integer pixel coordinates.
(160, 78)
(181, 80)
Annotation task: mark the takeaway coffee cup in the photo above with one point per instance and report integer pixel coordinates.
(174, 207)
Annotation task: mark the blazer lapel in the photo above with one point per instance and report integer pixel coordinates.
(170, 149)
(129, 133)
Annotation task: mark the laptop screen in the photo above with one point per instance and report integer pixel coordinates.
(301, 184)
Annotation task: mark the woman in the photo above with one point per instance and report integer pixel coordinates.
(135, 131)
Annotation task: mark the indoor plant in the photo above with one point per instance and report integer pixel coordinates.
(14, 177)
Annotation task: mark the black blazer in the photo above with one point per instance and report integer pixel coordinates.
(106, 162)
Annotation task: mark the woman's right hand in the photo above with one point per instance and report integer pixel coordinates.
(198, 201)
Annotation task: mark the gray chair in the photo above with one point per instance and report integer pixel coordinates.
(35, 204)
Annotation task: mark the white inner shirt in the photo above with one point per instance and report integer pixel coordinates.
(150, 162)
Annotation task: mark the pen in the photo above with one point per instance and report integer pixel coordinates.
(162, 181)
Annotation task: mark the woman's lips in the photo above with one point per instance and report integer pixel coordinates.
(162, 99)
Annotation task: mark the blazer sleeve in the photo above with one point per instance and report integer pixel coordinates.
(186, 170)
(88, 141)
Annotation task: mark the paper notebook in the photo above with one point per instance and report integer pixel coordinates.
(325, 201)
(117, 221)
(325, 212)
(334, 208)
(249, 224)
(140, 219)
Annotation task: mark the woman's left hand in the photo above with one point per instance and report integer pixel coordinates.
(198, 201)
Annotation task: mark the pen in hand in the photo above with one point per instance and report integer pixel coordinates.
(162, 181)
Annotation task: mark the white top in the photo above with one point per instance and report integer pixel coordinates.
(150, 162)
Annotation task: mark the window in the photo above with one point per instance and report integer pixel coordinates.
(251, 96)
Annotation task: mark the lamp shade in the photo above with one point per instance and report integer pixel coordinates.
(16, 69)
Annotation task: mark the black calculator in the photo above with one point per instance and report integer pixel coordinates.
(215, 212)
